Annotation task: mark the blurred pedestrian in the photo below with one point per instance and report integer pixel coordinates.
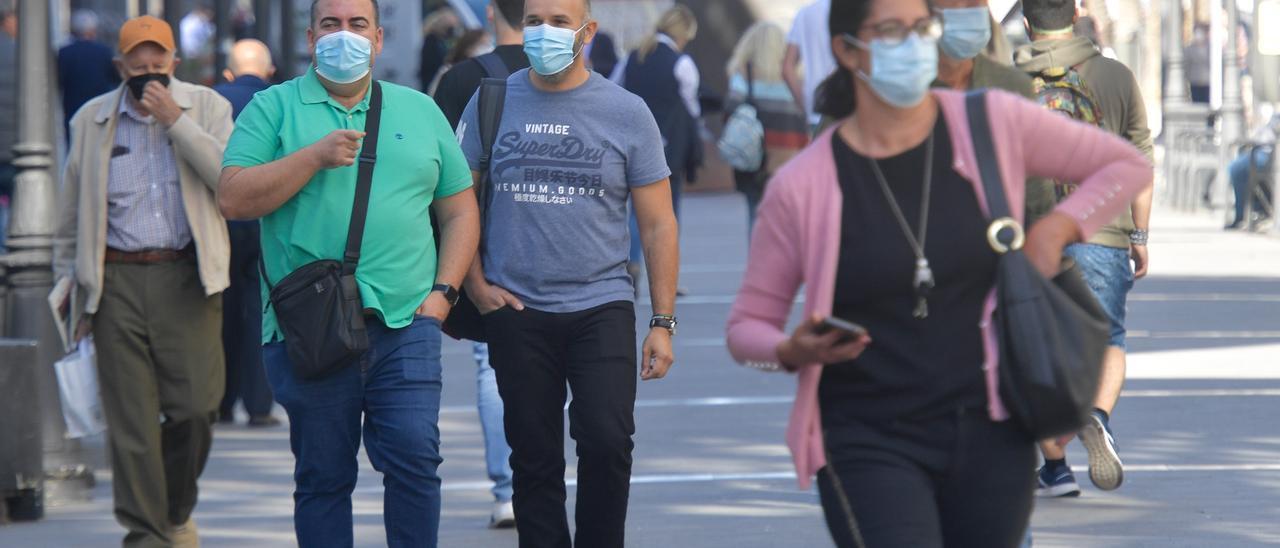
(292, 164)
(755, 72)
(8, 110)
(438, 30)
(457, 86)
(808, 46)
(196, 33)
(964, 64)
(667, 80)
(472, 43)
(1199, 63)
(551, 280)
(1074, 77)
(1256, 159)
(139, 230)
(603, 54)
(249, 68)
(85, 68)
(900, 415)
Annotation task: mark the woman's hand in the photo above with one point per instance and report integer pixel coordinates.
(1046, 240)
(808, 345)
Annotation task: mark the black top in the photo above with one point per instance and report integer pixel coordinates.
(461, 82)
(914, 368)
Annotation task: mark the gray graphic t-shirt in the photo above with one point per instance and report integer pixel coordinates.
(562, 170)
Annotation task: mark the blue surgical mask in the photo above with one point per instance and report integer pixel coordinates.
(343, 57)
(965, 31)
(901, 73)
(550, 49)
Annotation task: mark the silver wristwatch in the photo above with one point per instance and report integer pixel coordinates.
(1138, 237)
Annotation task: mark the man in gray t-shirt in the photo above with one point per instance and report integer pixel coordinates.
(552, 283)
(563, 166)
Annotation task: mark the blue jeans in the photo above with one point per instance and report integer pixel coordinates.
(1109, 274)
(1239, 171)
(497, 454)
(395, 388)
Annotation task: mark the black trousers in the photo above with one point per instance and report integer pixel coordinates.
(535, 355)
(960, 480)
(242, 326)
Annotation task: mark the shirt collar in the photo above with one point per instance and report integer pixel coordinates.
(312, 92)
(127, 109)
(667, 40)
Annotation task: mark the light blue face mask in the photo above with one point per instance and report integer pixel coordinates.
(965, 31)
(343, 57)
(900, 74)
(550, 49)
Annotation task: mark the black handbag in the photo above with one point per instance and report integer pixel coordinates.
(465, 321)
(318, 306)
(1052, 334)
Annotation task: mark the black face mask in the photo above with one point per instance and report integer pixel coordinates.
(139, 82)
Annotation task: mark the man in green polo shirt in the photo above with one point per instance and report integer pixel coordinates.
(291, 162)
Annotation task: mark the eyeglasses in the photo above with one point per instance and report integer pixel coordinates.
(894, 31)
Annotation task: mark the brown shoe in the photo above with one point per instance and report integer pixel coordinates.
(185, 535)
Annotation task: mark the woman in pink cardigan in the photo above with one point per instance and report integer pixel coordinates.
(882, 221)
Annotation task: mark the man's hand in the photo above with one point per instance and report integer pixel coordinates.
(84, 328)
(657, 355)
(159, 102)
(337, 149)
(1141, 261)
(436, 306)
(1046, 240)
(489, 298)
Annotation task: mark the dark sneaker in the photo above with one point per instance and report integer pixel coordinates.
(1105, 469)
(1057, 481)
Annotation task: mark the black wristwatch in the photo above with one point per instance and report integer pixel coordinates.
(450, 294)
(664, 321)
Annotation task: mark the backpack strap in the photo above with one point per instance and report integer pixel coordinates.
(493, 66)
(491, 102)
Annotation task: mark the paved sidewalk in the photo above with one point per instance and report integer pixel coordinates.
(1196, 428)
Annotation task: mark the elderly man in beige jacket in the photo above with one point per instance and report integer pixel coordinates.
(141, 234)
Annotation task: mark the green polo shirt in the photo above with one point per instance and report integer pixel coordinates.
(419, 160)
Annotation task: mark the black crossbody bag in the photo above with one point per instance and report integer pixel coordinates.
(318, 306)
(1052, 334)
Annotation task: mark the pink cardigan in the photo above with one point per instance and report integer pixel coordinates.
(797, 236)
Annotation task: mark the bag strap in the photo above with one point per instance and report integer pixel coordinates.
(751, 86)
(364, 183)
(985, 151)
(364, 180)
(493, 66)
(492, 100)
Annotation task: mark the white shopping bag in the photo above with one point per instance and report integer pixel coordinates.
(78, 388)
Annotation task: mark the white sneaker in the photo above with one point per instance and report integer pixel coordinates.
(1105, 468)
(504, 516)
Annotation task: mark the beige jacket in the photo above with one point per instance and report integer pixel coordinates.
(198, 137)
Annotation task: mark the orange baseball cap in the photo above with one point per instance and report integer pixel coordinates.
(143, 29)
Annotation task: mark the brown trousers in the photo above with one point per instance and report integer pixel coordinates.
(160, 367)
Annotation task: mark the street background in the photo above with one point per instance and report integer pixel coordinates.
(1196, 427)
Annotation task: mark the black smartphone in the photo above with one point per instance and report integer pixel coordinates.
(849, 331)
